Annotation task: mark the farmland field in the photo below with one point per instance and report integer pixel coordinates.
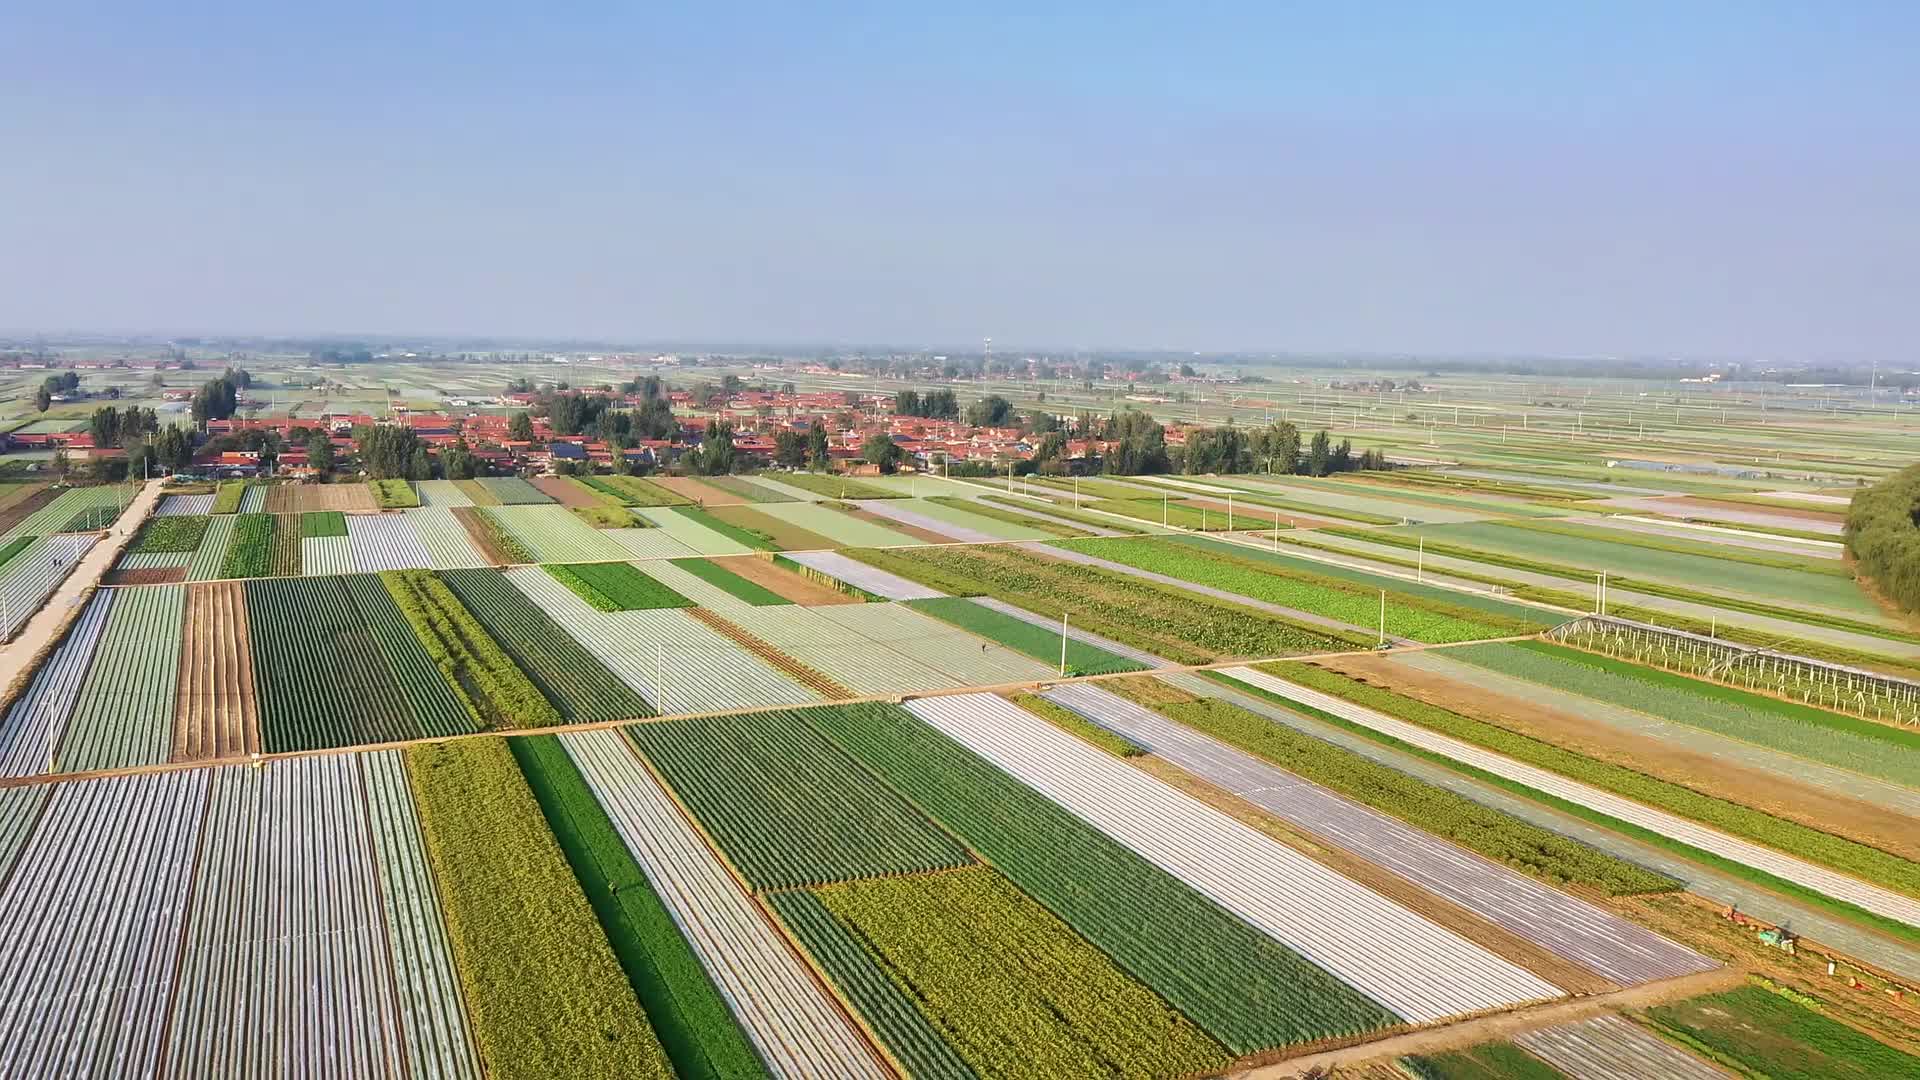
(786, 807)
(615, 586)
(216, 711)
(697, 533)
(552, 534)
(577, 684)
(828, 486)
(1767, 1035)
(513, 491)
(1033, 641)
(125, 712)
(311, 498)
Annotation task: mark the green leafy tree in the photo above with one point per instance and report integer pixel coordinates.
(456, 461)
(420, 467)
(715, 456)
(520, 427)
(789, 449)
(990, 411)
(1319, 454)
(42, 399)
(818, 456)
(881, 450)
(320, 452)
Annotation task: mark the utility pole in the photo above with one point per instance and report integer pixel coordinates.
(1063, 643)
(1383, 616)
(1420, 567)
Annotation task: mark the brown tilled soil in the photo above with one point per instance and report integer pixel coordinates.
(20, 509)
(1783, 797)
(303, 498)
(764, 573)
(216, 715)
(789, 536)
(566, 492)
(799, 672)
(1699, 507)
(1569, 977)
(704, 493)
(153, 575)
(915, 531)
(481, 534)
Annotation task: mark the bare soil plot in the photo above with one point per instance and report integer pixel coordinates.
(699, 491)
(792, 586)
(1780, 796)
(216, 714)
(305, 498)
(25, 505)
(789, 536)
(565, 492)
(481, 535)
(148, 575)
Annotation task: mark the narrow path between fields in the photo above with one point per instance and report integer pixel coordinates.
(18, 655)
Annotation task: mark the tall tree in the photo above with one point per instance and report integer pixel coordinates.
(1319, 454)
(520, 427)
(789, 448)
(456, 461)
(715, 456)
(881, 450)
(818, 456)
(320, 452)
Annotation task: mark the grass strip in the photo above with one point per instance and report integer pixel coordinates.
(1012, 989)
(834, 486)
(317, 524)
(1244, 988)
(1041, 643)
(176, 532)
(981, 508)
(1067, 513)
(393, 494)
(605, 517)
(1161, 619)
(615, 586)
(1763, 1034)
(493, 689)
(1891, 927)
(752, 538)
(1074, 724)
(250, 551)
(633, 491)
(1860, 860)
(1419, 618)
(1493, 833)
(545, 992)
(887, 1010)
(731, 583)
(228, 497)
(688, 1013)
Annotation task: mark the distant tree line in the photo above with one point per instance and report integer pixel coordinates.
(1883, 535)
(933, 405)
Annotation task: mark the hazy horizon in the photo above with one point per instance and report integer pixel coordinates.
(1731, 181)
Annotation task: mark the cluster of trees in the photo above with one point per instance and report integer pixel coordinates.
(1883, 535)
(112, 426)
(991, 411)
(217, 398)
(390, 451)
(54, 384)
(933, 405)
(794, 450)
(714, 455)
(1272, 449)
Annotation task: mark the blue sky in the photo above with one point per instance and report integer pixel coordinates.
(1702, 178)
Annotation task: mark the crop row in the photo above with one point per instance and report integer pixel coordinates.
(211, 555)
(747, 489)
(32, 575)
(1015, 991)
(615, 586)
(250, 551)
(569, 676)
(699, 1033)
(1664, 813)
(786, 807)
(31, 729)
(337, 665)
(179, 532)
(1205, 741)
(1160, 619)
(550, 534)
(723, 578)
(544, 991)
(1843, 741)
(1418, 969)
(667, 656)
(1243, 987)
(75, 509)
(496, 693)
(790, 1020)
(386, 542)
(285, 560)
(513, 491)
(174, 505)
(125, 712)
(833, 487)
(633, 491)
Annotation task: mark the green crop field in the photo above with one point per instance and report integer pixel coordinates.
(1244, 989)
(569, 676)
(786, 807)
(1763, 1034)
(179, 532)
(495, 692)
(250, 551)
(615, 586)
(545, 992)
(1039, 642)
(717, 575)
